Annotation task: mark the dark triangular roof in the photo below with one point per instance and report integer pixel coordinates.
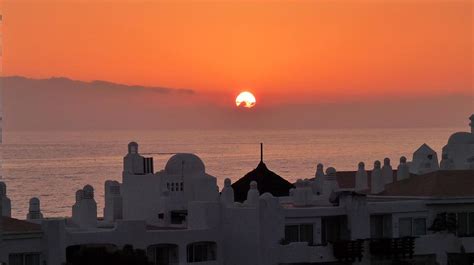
(267, 181)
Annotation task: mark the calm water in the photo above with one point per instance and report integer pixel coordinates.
(52, 166)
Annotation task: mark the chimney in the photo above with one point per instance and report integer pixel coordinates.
(403, 171)
(377, 180)
(361, 178)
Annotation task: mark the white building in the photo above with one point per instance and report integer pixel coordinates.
(178, 216)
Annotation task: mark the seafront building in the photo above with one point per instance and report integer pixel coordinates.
(417, 212)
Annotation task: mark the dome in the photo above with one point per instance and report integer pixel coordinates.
(185, 164)
(266, 196)
(461, 138)
(330, 171)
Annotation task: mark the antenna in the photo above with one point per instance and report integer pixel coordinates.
(261, 152)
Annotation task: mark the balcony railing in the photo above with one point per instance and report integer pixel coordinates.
(393, 248)
(349, 250)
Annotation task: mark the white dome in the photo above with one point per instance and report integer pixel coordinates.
(461, 138)
(185, 164)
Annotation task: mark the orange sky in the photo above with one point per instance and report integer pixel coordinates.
(285, 51)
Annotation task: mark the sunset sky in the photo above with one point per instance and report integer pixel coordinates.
(286, 52)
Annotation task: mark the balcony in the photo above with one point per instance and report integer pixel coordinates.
(301, 252)
(349, 250)
(393, 248)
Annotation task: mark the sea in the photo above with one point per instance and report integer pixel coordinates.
(53, 165)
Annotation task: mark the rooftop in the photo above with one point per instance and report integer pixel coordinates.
(267, 181)
(443, 183)
(12, 225)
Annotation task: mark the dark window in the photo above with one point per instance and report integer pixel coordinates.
(201, 251)
(376, 226)
(306, 233)
(163, 254)
(148, 165)
(15, 259)
(405, 227)
(419, 226)
(412, 226)
(178, 217)
(463, 229)
(333, 229)
(471, 224)
(299, 233)
(465, 224)
(292, 233)
(24, 259)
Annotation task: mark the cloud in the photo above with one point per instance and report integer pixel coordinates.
(66, 83)
(64, 104)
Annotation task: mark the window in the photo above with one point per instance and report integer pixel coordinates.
(471, 223)
(404, 227)
(201, 251)
(24, 259)
(333, 229)
(163, 254)
(178, 217)
(462, 224)
(419, 226)
(412, 226)
(380, 226)
(299, 233)
(465, 224)
(292, 233)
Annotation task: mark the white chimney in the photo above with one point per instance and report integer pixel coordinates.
(377, 180)
(227, 194)
(361, 182)
(387, 171)
(253, 194)
(403, 171)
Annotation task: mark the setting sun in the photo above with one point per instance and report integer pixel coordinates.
(247, 98)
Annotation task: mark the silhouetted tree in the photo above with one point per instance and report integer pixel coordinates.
(444, 222)
(94, 255)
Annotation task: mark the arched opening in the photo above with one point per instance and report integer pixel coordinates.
(201, 251)
(163, 254)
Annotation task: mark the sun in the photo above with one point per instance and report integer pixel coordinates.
(246, 98)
